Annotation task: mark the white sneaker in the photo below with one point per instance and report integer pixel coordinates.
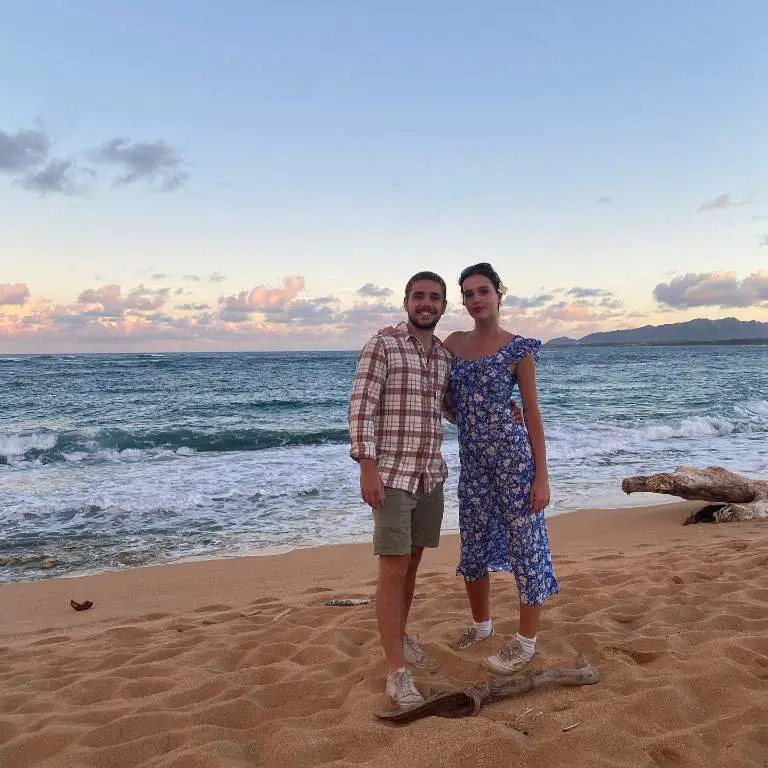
(417, 657)
(509, 660)
(471, 637)
(402, 690)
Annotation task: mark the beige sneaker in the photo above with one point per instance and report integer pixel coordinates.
(417, 657)
(471, 637)
(509, 660)
(402, 690)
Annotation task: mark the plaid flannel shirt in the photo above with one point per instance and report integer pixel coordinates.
(395, 407)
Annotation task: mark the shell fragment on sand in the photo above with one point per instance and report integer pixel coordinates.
(349, 601)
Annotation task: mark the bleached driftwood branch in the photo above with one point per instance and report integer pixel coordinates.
(467, 701)
(732, 497)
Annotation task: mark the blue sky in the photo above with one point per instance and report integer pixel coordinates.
(311, 156)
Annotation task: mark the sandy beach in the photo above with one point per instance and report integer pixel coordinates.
(237, 662)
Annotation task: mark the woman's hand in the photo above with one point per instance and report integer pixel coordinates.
(539, 494)
(389, 330)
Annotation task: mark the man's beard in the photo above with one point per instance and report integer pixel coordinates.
(424, 326)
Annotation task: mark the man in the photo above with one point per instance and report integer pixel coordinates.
(396, 435)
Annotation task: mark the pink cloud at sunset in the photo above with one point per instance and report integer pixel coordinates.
(111, 317)
(723, 289)
(13, 293)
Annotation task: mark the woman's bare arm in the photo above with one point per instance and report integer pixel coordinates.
(525, 372)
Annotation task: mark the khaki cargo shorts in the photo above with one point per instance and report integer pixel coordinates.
(407, 520)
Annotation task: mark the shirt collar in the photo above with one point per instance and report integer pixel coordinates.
(401, 329)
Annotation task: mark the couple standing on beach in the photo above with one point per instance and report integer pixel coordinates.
(406, 381)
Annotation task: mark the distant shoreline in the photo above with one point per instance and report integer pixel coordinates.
(711, 343)
(546, 344)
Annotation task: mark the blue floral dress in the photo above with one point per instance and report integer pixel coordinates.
(498, 531)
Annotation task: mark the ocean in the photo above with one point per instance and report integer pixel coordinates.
(115, 461)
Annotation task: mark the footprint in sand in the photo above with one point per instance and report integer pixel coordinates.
(641, 651)
(628, 620)
(666, 757)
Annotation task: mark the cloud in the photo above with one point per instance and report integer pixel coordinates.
(604, 200)
(763, 240)
(13, 293)
(370, 317)
(522, 302)
(217, 278)
(569, 312)
(585, 293)
(192, 278)
(23, 150)
(239, 307)
(26, 156)
(61, 176)
(235, 314)
(108, 301)
(592, 303)
(111, 317)
(369, 289)
(306, 312)
(610, 303)
(757, 283)
(115, 317)
(712, 289)
(159, 276)
(150, 161)
(721, 203)
(279, 306)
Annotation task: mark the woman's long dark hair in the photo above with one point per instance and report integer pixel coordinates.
(486, 270)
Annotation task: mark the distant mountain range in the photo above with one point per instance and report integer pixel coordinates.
(729, 330)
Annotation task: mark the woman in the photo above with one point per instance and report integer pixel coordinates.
(503, 483)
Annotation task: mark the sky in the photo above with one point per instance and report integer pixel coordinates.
(261, 176)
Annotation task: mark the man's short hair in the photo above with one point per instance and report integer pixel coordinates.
(426, 275)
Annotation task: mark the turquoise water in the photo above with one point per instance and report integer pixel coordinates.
(109, 461)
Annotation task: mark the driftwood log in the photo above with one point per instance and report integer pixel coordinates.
(731, 497)
(466, 702)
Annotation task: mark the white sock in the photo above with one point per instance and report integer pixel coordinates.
(398, 671)
(528, 644)
(482, 628)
